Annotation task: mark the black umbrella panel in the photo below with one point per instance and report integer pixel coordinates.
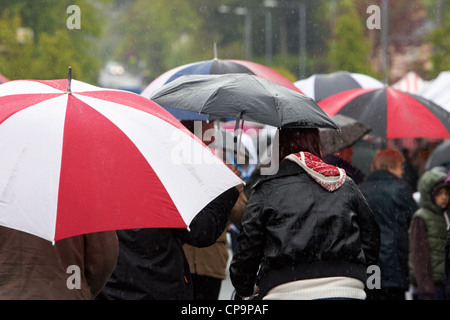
(243, 96)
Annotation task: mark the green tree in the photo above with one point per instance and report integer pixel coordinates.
(440, 42)
(349, 48)
(16, 47)
(155, 36)
(53, 47)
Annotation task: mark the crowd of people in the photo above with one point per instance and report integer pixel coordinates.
(308, 232)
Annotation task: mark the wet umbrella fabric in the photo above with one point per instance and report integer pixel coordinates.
(91, 159)
(243, 96)
(350, 131)
(321, 86)
(214, 66)
(440, 156)
(391, 113)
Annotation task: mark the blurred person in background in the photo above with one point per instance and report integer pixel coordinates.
(392, 204)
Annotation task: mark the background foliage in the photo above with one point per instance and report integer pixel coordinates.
(150, 37)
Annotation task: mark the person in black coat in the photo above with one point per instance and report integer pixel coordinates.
(308, 232)
(151, 263)
(393, 206)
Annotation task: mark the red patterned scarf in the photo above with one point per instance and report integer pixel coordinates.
(328, 176)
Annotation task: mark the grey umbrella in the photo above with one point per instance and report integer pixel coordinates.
(243, 96)
(350, 131)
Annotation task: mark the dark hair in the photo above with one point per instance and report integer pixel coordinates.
(293, 140)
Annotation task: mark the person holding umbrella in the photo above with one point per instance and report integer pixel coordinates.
(152, 264)
(208, 265)
(308, 232)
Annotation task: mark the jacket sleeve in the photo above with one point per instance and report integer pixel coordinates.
(245, 264)
(101, 253)
(369, 228)
(211, 221)
(237, 212)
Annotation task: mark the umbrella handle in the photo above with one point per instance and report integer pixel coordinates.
(237, 140)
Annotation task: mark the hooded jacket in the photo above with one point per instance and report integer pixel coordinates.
(307, 221)
(436, 233)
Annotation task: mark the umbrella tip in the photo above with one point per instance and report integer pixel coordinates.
(69, 80)
(215, 51)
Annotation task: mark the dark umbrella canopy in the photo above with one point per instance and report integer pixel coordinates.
(243, 96)
(440, 156)
(391, 113)
(350, 131)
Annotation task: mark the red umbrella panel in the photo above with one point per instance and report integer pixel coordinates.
(391, 113)
(79, 159)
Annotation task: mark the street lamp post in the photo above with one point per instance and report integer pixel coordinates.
(242, 11)
(384, 39)
(302, 39)
(268, 4)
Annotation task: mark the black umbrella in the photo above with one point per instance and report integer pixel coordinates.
(350, 132)
(243, 96)
(440, 156)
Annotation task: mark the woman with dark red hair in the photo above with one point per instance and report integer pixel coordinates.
(308, 232)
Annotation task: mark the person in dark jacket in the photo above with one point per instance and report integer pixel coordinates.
(392, 204)
(308, 232)
(152, 264)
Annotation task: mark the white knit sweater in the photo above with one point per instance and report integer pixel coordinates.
(320, 288)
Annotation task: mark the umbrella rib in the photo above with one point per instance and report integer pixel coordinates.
(258, 80)
(207, 102)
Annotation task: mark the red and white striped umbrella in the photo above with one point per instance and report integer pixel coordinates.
(77, 159)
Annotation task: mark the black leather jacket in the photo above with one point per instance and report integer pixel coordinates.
(295, 229)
